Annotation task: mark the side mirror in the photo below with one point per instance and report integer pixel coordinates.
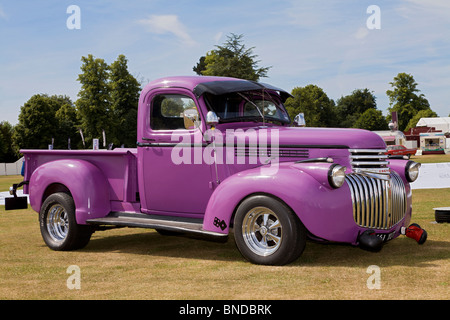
(299, 120)
(190, 117)
(191, 114)
(212, 118)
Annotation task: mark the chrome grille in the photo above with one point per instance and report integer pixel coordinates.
(377, 203)
(374, 160)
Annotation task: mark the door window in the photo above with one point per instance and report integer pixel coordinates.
(174, 111)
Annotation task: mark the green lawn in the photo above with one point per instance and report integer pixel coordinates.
(432, 158)
(7, 181)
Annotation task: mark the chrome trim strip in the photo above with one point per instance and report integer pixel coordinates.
(381, 156)
(367, 150)
(370, 163)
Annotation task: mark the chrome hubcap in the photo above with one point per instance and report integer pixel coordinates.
(262, 231)
(57, 223)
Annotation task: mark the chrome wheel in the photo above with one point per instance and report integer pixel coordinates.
(262, 231)
(57, 222)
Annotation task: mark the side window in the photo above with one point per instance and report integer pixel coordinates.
(173, 111)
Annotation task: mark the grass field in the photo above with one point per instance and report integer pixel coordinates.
(432, 158)
(7, 181)
(141, 264)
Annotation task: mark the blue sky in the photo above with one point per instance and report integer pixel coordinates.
(326, 43)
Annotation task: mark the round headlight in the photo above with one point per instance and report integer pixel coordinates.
(412, 171)
(336, 175)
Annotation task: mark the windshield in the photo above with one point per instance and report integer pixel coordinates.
(247, 106)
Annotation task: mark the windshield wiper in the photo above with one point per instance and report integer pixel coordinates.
(248, 100)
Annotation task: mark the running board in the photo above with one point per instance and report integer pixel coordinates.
(140, 220)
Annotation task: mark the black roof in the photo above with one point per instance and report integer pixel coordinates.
(223, 87)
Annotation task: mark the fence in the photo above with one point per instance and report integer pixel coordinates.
(8, 169)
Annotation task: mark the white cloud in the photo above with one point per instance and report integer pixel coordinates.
(418, 9)
(431, 4)
(162, 24)
(362, 33)
(3, 14)
(217, 36)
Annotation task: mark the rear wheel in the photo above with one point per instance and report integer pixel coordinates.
(59, 228)
(268, 232)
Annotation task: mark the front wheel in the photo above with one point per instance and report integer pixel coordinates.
(268, 232)
(59, 228)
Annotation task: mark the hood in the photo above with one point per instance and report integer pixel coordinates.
(327, 138)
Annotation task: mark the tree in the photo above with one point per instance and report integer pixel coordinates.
(93, 104)
(371, 119)
(125, 91)
(232, 59)
(3, 145)
(39, 122)
(66, 117)
(405, 99)
(314, 103)
(7, 153)
(108, 101)
(428, 113)
(200, 67)
(350, 108)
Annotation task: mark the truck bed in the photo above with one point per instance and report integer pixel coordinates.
(119, 167)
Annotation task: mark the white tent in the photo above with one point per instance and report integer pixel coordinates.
(442, 123)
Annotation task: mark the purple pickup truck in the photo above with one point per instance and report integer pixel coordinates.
(217, 155)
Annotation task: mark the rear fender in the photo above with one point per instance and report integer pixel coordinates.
(85, 182)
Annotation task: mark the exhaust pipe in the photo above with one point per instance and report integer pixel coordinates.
(369, 241)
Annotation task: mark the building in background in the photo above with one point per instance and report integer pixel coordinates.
(432, 135)
(432, 142)
(440, 123)
(393, 137)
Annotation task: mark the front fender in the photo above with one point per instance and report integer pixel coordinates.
(325, 212)
(399, 166)
(86, 183)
